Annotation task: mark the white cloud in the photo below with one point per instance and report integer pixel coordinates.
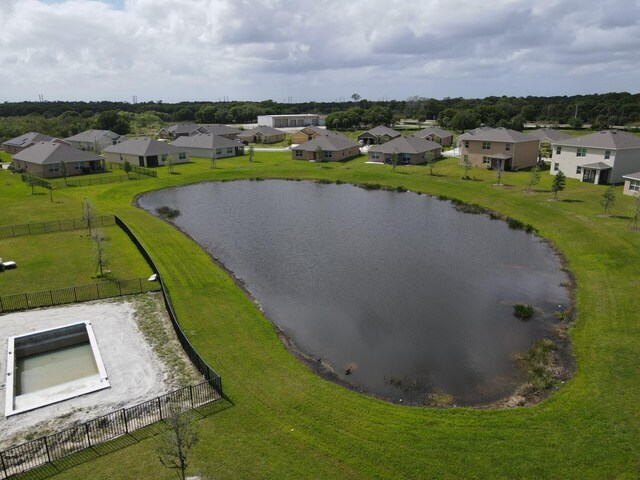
(257, 49)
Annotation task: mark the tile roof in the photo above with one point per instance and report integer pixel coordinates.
(45, 153)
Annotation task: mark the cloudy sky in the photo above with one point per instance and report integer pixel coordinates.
(174, 50)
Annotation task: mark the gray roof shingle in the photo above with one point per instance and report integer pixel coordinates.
(381, 130)
(90, 136)
(204, 140)
(499, 134)
(608, 139)
(440, 132)
(331, 143)
(217, 129)
(410, 144)
(28, 138)
(46, 153)
(265, 130)
(549, 135)
(143, 147)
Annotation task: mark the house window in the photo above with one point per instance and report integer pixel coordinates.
(507, 147)
(298, 153)
(375, 155)
(54, 167)
(182, 156)
(164, 157)
(558, 150)
(634, 185)
(486, 145)
(78, 166)
(466, 144)
(578, 170)
(486, 160)
(581, 152)
(556, 167)
(218, 151)
(327, 154)
(406, 158)
(607, 154)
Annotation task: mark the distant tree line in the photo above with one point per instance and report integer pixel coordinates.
(63, 119)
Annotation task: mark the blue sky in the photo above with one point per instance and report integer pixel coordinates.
(174, 50)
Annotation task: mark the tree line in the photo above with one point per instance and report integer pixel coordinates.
(62, 119)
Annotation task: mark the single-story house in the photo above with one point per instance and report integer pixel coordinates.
(309, 133)
(95, 140)
(44, 160)
(411, 150)
(221, 130)
(209, 146)
(144, 152)
(21, 142)
(436, 134)
(498, 148)
(180, 130)
(602, 157)
(293, 120)
(335, 147)
(261, 134)
(378, 135)
(631, 184)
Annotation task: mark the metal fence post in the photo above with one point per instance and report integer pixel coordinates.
(51, 296)
(160, 407)
(191, 393)
(126, 424)
(86, 428)
(46, 446)
(4, 467)
(26, 300)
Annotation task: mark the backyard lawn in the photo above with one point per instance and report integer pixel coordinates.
(282, 421)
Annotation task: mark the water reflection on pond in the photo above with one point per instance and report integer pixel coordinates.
(398, 293)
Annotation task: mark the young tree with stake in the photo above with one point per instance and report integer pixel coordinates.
(177, 441)
(394, 161)
(558, 183)
(534, 177)
(608, 199)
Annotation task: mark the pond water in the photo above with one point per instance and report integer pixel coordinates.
(400, 294)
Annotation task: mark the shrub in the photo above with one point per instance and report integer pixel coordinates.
(371, 186)
(538, 365)
(523, 312)
(167, 212)
(515, 224)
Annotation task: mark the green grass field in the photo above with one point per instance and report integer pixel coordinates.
(285, 422)
(62, 259)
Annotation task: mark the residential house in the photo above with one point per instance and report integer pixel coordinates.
(335, 147)
(631, 184)
(95, 140)
(498, 148)
(222, 130)
(209, 146)
(21, 142)
(602, 157)
(410, 150)
(378, 135)
(144, 152)
(44, 159)
(294, 120)
(546, 136)
(309, 133)
(435, 134)
(181, 130)
(261, 134)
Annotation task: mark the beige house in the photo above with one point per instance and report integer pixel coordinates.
(221, 130)
(17, 144)
(180, 130)
(44, 160)
(144, 152)
(309, 133)
(261, 134)
(498, 148)
(335, 147)
(631, 184)
(435, 134)
(410, 150)
(601, 157)
(378, 135)
(209, 146)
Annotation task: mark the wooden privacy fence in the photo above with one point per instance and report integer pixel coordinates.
(47, 449)
(79, 293)
(51, 226)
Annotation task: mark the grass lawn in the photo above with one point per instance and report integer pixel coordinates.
(285, 422)
(63, 259)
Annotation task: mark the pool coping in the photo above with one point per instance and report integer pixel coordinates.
(96, 382)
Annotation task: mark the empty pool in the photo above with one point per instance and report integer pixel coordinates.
(52, 365)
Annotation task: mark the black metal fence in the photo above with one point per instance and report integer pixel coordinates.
(7, 231)
(47, 449)
(199, 362)
(79, 181)
(79, 293)
(136, 169)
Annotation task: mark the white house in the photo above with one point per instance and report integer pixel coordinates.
(293, 120)
(602, 157)
(632, 184)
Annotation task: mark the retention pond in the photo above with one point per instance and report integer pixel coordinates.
(396, 294)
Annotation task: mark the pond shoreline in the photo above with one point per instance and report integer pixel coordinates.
(562, 356)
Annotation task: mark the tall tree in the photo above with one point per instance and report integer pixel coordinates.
(558, 184)
(114, 121)
(175, 445)
(608, 199)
